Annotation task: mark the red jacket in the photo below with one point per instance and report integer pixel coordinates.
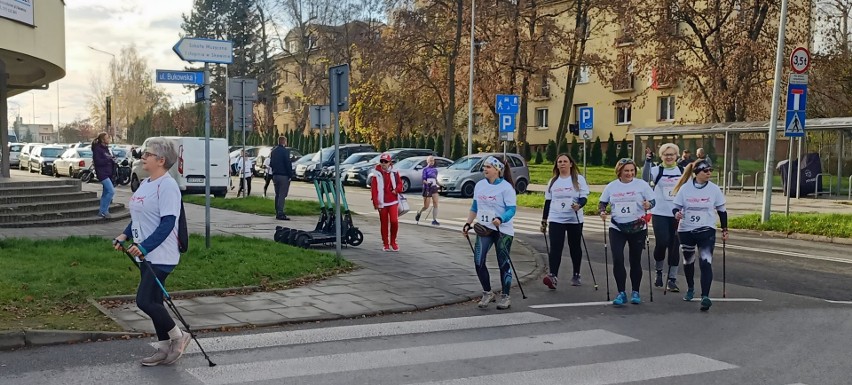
(383, 188)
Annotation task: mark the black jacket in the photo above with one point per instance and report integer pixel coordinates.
(279, 160)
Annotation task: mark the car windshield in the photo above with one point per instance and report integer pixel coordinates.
(119, 153)
(408, 163)
(15, 148)
(464, 163)
(51, 152)
(305, 158)
(85, 154)
(352, 159)
(325, 153)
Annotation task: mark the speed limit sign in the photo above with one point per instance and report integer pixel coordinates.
(800, 60)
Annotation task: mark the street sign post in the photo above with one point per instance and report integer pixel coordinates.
(206, 51)
(794, 124)
(193, 49)
(338, 87)
(587, 124)
(180, 77)
(507, 104)
(320, 119)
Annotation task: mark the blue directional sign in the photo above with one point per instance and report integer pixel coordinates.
(180, 77)
(794, 125)
(797, 97)
(507, 104)
(507, 123)
(587, 118)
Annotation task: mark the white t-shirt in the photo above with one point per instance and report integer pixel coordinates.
(562, 195)
(244, 167)
(267, 164)
(664, 190)
(626, 199)
(699, 205)
(491, 202)
(153, 200)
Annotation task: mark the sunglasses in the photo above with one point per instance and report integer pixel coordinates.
(383, 161)
(707, 170)
(626, 161)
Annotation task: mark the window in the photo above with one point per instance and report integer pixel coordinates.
(286, 127)
(288, 104)
(667, 108)
(577, 111)
(623, 111)
(515, 162)
(442, 163)
(543, 86)
(541, 118)
(274, 104)
(584, 75)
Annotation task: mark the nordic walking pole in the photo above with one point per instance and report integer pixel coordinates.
(606, 260)
(168, 299)
(512, 265)
(588, 258)
(648, 253)
(724, 289)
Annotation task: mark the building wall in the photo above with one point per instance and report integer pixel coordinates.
(34, 55)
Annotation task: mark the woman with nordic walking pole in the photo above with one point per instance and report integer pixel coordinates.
(630, 198)
(153, 228)
(664, 178)
(430, 191)
(494, 205)
(564, 199)
(696, 198)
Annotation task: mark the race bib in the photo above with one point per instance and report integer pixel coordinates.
(486, 215)
(562, 205)
(668, 193)
(625, 209)
(699, 217)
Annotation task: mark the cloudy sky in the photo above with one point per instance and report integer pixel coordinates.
(152, 25)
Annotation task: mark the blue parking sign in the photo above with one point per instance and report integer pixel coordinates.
(507, 123)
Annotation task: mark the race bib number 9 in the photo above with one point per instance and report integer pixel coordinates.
(563, 205)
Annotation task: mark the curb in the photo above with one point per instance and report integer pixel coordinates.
(797, 236)
(17, 339)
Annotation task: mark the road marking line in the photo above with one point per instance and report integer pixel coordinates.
(839, 303)
(345, 362)
(605, 373)
(340, 333)
(578, 304)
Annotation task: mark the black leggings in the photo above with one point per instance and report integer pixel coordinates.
(701, 242)
(558, 232)
(665, 230)
(149, 299)
(267, 178)
(636, 242)
(247, 185)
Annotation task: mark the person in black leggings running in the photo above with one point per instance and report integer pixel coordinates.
(663, 178)
(564, 199)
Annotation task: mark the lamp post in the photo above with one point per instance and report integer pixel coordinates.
(470, 86)
(108, 110)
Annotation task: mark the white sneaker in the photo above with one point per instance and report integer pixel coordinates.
(487, 297)
(504, 302)
(177, 347)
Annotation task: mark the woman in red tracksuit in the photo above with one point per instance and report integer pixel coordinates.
(386, 185)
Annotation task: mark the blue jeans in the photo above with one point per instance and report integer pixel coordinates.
(503, 246)
(106, 197)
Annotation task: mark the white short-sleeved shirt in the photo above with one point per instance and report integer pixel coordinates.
(699, 205)
(152, 201)
(562, 195)
(267, 164)
(492, 201)
(664, 190)
(626, 199)
(244, 167)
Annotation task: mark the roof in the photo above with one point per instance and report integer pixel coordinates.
(817, 124)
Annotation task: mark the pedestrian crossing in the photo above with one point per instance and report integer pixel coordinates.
(535, 348)
(522, 225)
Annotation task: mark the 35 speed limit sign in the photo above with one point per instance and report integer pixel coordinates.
(800, 60)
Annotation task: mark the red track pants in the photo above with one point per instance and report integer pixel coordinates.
(389, 217)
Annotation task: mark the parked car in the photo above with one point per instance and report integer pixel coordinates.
(461, 177)
(14, 151)
(72, 162)
(325, 158)
(303, 160)
(42, 158)
(358, 175)
(264, 152)
(24, 156)
(121, 152)
(411, 171)
(354, 160)
(251, 153)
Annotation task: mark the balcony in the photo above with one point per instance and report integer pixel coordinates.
(624, 39)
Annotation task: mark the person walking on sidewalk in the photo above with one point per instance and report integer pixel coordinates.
(282, 171)
(695, 201)
(153, 228)
(564, 199)
(267, 174)
(104, 164)
(245, 173)
(385, 189)
(630, 198)
(663, 178)
(494, 206)
(430, 191)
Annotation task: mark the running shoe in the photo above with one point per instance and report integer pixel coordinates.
(671, 286)
(659, 281)
(435, 223)
(620, 299)
(575, 280)
(177, 347)
(487, 297)
(504, 302)
(635, 299)
(690, 293)
(550, 281)
(417, 218)
(157, 358)
(705, 303)
(394, 247)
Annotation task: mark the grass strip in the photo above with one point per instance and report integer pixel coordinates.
(257, 205)
(829, 225)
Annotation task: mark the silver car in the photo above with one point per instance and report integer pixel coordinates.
(411, 171)
(461, 176)
(14, 151)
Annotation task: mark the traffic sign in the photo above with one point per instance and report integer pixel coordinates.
(199, 94)
(587, 135)
(800, 60)
(797, 95)
(507, 122)
(795, 124)
(587, 118)
(507, 104)
(180, 77)
(193, 49)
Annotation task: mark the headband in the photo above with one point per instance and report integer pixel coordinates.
(494, 162)
(701, 165)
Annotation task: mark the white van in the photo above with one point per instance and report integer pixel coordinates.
(189, 169)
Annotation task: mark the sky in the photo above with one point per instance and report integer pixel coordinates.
(108, 25)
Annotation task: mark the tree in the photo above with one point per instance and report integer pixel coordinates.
(80, 130)
(551, 151)
(430, 142)
(459, 148)
(538, 158)
(439, 145)
(596, 158)
(575, 149)
(563, 147)
(611, 155)
(526, 151)
(383, 145)
(622, 152)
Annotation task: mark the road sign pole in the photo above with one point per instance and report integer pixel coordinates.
(243, 181)
(207, 155)
(227, 124)
(789, 177)
(585, 150)
(798, 172)
(773, 120)
(470, 86)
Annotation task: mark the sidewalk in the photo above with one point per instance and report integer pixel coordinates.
(433, 268)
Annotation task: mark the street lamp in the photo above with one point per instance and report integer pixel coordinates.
(470, 88)
(108, 99)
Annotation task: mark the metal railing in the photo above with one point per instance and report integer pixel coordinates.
(818, 182)
(732, 175)
(756, 178)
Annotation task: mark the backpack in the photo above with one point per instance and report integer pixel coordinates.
(183, 234)
(660, 174)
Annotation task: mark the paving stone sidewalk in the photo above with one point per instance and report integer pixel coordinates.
(434, 267)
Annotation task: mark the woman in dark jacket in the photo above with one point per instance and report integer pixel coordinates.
(104, 163)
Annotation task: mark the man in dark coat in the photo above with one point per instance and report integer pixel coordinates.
(281, 172)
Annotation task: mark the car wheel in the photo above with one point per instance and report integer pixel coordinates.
(134, 183)
(71, 173)
(521, 186)
(30, 168)
(406, 184)
(55, 172)
(467, 190)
